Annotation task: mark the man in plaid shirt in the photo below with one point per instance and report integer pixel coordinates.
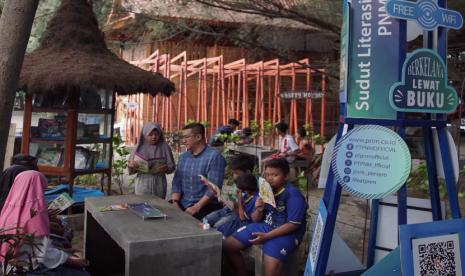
(188, 193)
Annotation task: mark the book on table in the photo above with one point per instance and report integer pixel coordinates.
(146, 211)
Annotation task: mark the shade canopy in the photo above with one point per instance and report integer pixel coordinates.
(73, 55)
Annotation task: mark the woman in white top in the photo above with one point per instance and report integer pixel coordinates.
(25, 212)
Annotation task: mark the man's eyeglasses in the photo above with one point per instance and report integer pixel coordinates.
(185, 137)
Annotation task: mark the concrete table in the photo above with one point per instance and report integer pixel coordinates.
(121, 243)
(259, 151)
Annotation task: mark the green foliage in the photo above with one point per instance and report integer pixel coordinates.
(206, 124)
(87, 179)
(13, 262)
(172, 139)
(255, 127)
(43, 15)
(45, 12)
(267, 127)
(119, 164)
(418, 182)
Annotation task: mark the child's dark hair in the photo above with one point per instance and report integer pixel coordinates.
(302, 132)
(279, 163)
(234, 122)
(247, 182)
(247, 131)
(243, 162)
(282, 127)
(25, 160)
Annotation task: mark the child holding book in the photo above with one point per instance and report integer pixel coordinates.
(282, 229)
(249, 205)
(151, 159)
(240, 165)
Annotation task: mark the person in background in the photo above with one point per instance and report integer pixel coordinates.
(240, 165)
(245, 136)
(188, 193)
(25, 212)
(305, 146)
(19, 164)
(249, 207)
(288, 148)
(283, 227)
(228, 129)
(152, 148)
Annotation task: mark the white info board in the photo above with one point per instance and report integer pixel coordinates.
(418, 211)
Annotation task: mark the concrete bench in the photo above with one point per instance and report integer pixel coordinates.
(291, 265)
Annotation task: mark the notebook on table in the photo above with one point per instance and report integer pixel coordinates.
(146, 211)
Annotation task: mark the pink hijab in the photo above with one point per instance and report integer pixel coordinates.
(25, 206)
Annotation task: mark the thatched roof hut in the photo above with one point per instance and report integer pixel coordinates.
(73, 55)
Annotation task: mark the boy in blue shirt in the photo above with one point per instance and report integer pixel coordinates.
(240, 165)
(282, 230)
(249, 205)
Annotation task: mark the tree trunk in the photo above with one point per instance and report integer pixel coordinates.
(15, 28)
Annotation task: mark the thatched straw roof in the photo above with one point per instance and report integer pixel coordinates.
(73, 55)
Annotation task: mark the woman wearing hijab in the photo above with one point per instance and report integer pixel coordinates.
(25, 212)
(19, 164)
(151, 159)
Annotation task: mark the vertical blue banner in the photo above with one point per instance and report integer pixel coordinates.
(374, 60)
(344, 66)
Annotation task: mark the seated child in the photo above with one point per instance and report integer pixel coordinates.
(249, 205)
(240, 165)
(282, 230)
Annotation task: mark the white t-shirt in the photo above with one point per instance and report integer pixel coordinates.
(45, 253)
(287, 144)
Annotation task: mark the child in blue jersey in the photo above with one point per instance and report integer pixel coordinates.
(249, 205)
(240, 165)
(282, 229)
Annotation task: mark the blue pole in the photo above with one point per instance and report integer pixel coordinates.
(331, 199)
(448, 172)
(373, 231)
(432, 173)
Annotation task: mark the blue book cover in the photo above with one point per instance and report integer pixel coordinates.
(145, 210)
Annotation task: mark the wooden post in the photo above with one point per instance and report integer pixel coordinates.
(245, 91)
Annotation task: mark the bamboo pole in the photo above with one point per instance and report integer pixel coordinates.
(212, 104)
(185, 88)
(323, 103)
(224, 96)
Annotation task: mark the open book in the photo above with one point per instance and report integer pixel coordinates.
(62, 202)
(266, 192)
(145, 166)
(216, 190)
(142, 164)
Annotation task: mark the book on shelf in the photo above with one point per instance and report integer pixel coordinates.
(146, 211)
(49, 157)
(91, 131)
(50, 128)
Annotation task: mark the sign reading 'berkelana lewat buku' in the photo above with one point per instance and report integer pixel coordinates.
(424, 86)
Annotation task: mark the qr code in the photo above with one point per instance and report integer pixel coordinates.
(437, 256)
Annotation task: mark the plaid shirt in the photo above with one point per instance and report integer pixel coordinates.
(209, 163)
